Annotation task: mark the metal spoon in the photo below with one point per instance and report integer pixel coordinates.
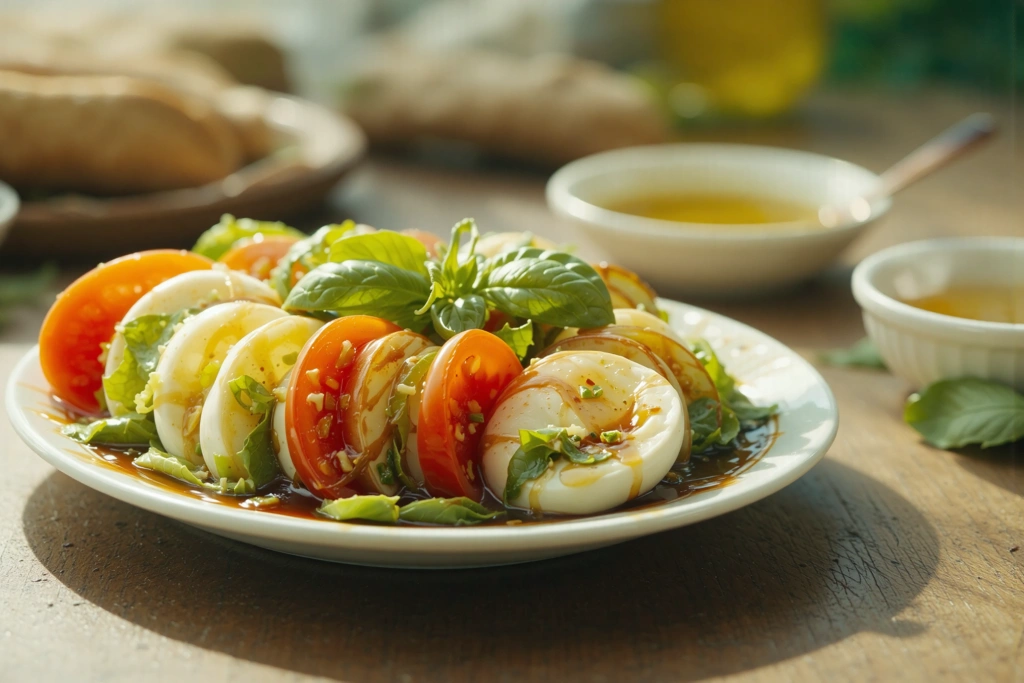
(936, 153)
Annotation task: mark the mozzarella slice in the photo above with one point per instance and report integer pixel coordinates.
(280, 430)
(635, 400)
(194, 289)
(200, 345)
(266, 354)
(636, 318)
(366, 428)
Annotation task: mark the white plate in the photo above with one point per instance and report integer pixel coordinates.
(769, 371)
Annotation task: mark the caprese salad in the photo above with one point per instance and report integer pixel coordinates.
(396, 378)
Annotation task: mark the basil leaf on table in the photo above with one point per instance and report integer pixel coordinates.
(368, 508)
(547, 287)
(959, 412)
(217, 240)
(384, 246)
(465, 313)
(863, 354)
(460, 511)
(132, 429)
(519, 339)
(362, 287)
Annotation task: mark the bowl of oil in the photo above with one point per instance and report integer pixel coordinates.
(710, 219)
(947, 308)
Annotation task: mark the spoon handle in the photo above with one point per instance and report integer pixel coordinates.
(937, 152)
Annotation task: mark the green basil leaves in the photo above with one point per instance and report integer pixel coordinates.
(538, 447)
(959, 412)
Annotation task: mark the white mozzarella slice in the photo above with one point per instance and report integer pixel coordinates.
(194, 289)
(200, 345)
(280, 430)
(266, 354)
(365, 421)
(635, 400)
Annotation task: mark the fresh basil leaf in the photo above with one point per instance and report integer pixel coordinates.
(258, 455)
(383, 246)
(458, 276)
(465, 313)
(448, 511)
(126, 381)
(519, 339)
(179, 468)
(411, 375)
(730, 426)
(252, 395)
(368, 508)
(231, 486)
(143, 339)
(530, 439)
(132, 429)
(216, 241)
(362, 287)
(525, 465)
(863, 354)
(547, 287)
(704, 427)
(958, 412)
(731, 396)
(307, 254)
(577, 456)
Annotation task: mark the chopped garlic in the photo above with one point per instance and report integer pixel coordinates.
(281, 394)
(405, 389)
(317, 400)
(314, 377)
(332, 383)
(345, 357)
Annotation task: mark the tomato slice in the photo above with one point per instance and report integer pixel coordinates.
(258, 256)
(84, 316)
(315, 425)
(467, 376)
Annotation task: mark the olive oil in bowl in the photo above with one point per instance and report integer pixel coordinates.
(717, 209)
(992, 303)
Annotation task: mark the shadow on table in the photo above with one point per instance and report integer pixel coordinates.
(832, 555)
(1002, 465)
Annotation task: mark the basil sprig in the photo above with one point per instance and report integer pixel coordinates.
(538, 447)
(132, 429)
(460, 511)
(959, 412)
(389, 275)
(143, 338)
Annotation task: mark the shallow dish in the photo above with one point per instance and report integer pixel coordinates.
(713, 259)
(770, 372)
(923, 347)
(320, 147)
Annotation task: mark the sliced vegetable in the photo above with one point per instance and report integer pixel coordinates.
(179, 468)
(84, 316)
(466, 377)
(219, 239)
(627, 290)
(317, 447)
(258, 256)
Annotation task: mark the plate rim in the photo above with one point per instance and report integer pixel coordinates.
(602, 529)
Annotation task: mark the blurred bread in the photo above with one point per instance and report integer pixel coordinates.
(547, 109)
(110, 134)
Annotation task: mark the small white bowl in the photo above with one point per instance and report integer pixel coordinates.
(9, 206)
(923, 347)
(713, 259)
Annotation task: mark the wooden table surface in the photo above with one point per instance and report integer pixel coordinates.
(890, 560)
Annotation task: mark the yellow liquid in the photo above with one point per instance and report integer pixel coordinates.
(990, 304)
(714, 208)
(749, 57)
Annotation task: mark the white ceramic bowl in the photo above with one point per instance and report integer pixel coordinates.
(924, 347)
(9, 206)
(712, 259)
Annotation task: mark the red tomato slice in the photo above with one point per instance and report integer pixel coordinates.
(259, 255)
(467, 376)
(84, 316)
(316, 430)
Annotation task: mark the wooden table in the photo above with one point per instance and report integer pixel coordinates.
(890, 560)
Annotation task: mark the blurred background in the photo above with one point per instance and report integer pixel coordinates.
(468, 105)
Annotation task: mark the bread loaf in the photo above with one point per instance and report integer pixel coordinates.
(109, 134)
